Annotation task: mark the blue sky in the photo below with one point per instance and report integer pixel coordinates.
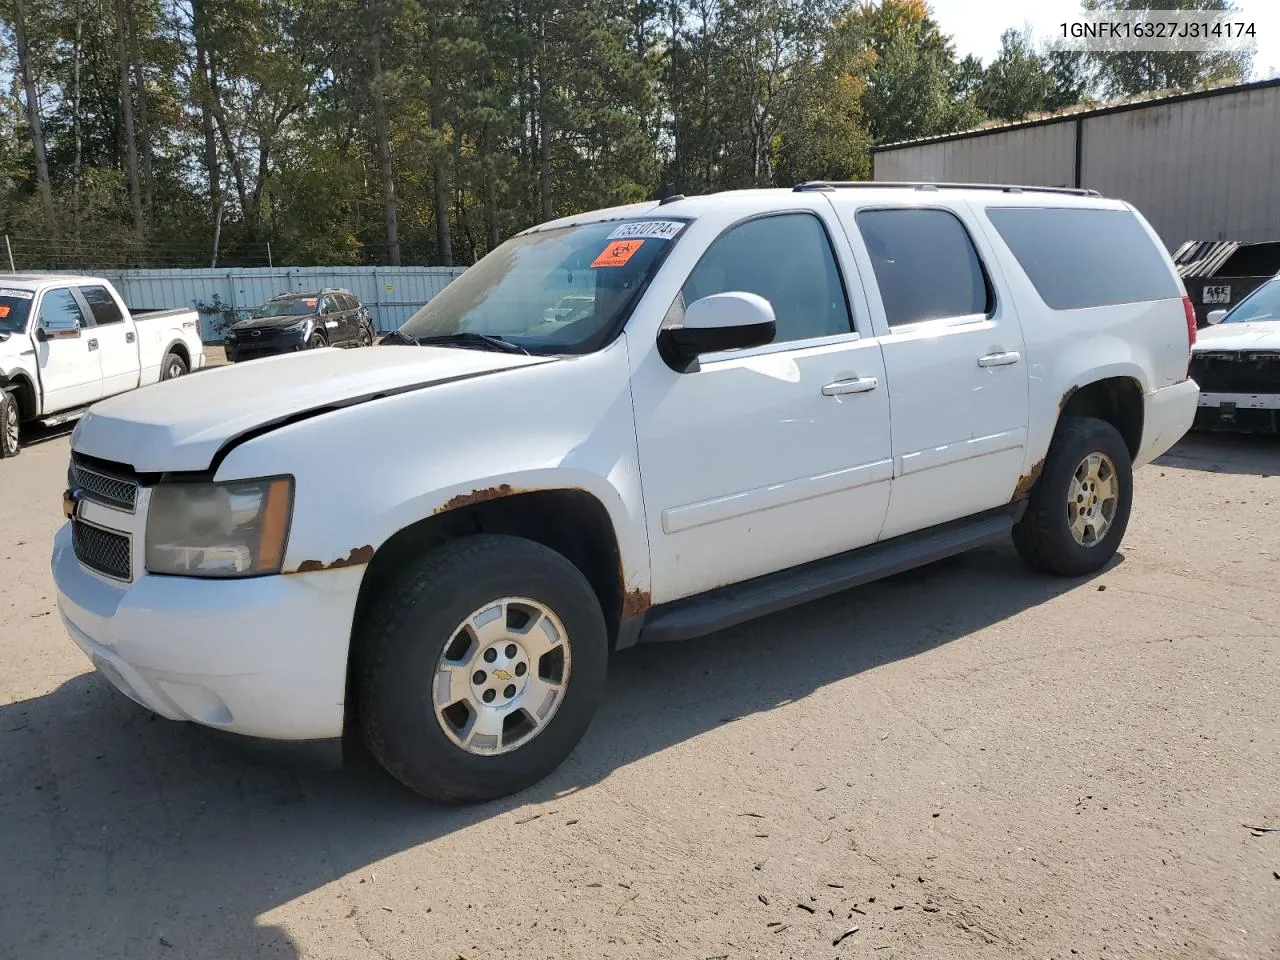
(976, 25)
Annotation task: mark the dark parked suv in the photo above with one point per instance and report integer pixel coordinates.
(300, 321)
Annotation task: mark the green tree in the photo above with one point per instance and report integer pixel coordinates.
(912, 72)
(1129, 73)
(1018, 81)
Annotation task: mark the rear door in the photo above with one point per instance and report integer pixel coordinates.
(335, 320)
(764, 458)
(117, 340)
(954, 358)
(69, 366)
(355, 315)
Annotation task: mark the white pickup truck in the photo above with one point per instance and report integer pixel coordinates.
(775, 395)
(67, 342)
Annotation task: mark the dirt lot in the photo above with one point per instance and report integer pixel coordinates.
(966, 761)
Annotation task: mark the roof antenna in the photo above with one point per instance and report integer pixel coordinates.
(667, 193)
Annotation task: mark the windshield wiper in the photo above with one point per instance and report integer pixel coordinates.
(476, 339)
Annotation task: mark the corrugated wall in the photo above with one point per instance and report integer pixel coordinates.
(391, 293)
(1205, 169)
(1044, 156)
(1198, 169)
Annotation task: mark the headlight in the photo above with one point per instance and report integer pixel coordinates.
(233, 529)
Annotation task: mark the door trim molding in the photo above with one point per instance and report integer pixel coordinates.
(947, 454)
(676, 519)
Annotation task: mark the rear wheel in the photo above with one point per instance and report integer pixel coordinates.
(479, 670)
(172, 367)
(1079, 508)
(366, 337)
(9, 425)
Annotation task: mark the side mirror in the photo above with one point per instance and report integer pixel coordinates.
(722, 321)
(1215, 316)
(56, 331)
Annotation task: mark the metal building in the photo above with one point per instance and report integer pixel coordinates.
(1199, 166)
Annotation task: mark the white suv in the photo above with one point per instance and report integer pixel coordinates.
(775, 395)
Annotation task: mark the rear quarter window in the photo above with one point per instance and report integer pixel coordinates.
(1078, 258)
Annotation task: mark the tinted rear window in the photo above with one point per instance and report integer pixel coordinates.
(1085, 258)
(104, 307)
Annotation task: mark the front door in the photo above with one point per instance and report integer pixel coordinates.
(70, 370)
(954, 358)
(764, 458)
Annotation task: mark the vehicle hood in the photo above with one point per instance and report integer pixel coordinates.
(1259, 335)
(181, 424)
(262, 323)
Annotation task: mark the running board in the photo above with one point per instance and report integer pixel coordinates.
(66, 416)
(737, 603)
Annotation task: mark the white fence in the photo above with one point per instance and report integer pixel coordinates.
(392, 294)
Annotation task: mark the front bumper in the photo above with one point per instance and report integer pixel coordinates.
(264, 657)
(1239, 412)
(251, 348)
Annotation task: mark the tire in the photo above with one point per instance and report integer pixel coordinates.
(366, 337)
(316, 341)
(1044, 537)
(10, 433)
(172, 366)
(416, 625)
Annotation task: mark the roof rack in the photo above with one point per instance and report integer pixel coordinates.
(334, 290)
(824, 185)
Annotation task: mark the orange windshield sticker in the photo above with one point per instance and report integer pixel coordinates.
(4, 310)
(617, 253)
(311, 302)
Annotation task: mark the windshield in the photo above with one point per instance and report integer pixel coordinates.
(14, 307)
(296, 307)
(1262, 304)
(565, 290)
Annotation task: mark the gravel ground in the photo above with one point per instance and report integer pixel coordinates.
(965, 761)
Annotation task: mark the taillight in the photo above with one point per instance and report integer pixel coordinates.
(1191, 321)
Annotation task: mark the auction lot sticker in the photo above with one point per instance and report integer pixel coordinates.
(20, 294)
(658, 229)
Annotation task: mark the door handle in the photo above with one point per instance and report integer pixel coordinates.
(129, 337)
(999, 359)
(93, 344)
(857, 385)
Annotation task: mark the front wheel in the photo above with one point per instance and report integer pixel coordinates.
(9, 425)
(316, 341)
(172, 367)
(480, 668)
(1080, 506)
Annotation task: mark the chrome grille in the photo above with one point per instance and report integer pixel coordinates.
(107, 552)
(104, 488)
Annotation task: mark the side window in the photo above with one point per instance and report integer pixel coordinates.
(786, 259)
(348, 302)
(329, 305)
(925, 265)
(59, 310)
(103, 305)
(1057, 247)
